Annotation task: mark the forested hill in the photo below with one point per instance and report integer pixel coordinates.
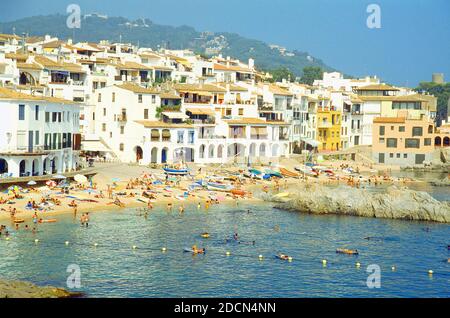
(145, 33)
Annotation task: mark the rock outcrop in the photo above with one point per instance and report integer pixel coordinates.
(17, 289)
(393, 203)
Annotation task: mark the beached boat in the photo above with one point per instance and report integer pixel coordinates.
(179, 172)
(270, 173)
(255, 172)
(215, 186)
(306, 170)
(347, 251)
(238, 192)
(287, 173)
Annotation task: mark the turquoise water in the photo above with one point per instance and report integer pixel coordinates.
(114, 269)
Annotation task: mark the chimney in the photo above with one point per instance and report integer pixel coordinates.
(251, 63)
(69, 41)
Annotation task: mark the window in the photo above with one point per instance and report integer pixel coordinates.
(392, 127)
(93, 115)
(59, 117)
(110, 134)
(417, 131)
(122, 129)
(145, 113)
(381, 140)
(103, 127)
(140, 98)
(391, 143)
(412, 143)
(36, 137)
(99, 97)
(104, 111)
(47, 117)
(228, 113)
(113, 97)
(430, 129)
(241, 111)
(391, 155)
(21, 112)
(382, 130)
(427, 142)
(405, 155)
(398, 155)
(153, 99)
(121, 147)
(54, 117)
(36, 112)
(401, 128)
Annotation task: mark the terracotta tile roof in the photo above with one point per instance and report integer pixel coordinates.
(53, 65)
(231, 68)
(137, 89)
(9, 94)
(199, 88)
(377, 87)
(391, 120)
(161, 124)
(29, 66)
(132, 66)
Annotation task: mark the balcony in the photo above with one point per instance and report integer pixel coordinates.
(258, 137)
(121, 117)
(238, 136)
(284, 137)
(325, 124)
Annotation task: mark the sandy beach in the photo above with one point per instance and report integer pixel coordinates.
(117, 177)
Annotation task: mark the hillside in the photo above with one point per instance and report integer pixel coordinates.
(148, 34)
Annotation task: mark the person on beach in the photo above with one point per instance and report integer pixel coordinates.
(199, 206)
(181, 208)
(75, 212)
(169, 207)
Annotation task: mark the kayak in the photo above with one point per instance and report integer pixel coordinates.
(19, 220)
(347, 251)
(288, 173)
(47, 221)
(205, 235)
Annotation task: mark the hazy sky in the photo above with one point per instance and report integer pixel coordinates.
(412, 43)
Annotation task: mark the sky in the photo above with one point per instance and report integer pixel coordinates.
(413, 40)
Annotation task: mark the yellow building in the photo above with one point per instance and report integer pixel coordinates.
(328, 128)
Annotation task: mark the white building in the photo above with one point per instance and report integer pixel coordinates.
(38, 135)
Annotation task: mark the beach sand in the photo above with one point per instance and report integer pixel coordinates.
(107, 172)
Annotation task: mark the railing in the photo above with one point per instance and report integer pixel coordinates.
(121, 117)
(258, 137)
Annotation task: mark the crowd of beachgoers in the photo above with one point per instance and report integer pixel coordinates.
(26, 207)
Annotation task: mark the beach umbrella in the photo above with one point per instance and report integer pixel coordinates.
(58, 176)
(32, 182)
(80, 178)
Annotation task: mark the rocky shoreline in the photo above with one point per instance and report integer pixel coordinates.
(393, 203)
(18, 289)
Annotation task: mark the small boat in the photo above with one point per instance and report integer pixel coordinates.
(190, 250)
(19, 220)
(306, 170)
(347, 251)
(179, 172)
(283, 257)
(288, 173)
(238, 192)
(272, 173)
(205, 235)
(215, 186)
(255, 171)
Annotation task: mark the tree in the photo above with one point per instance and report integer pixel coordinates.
(311, 73)
(441, 92)
(281, 73)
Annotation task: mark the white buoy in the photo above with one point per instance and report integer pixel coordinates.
(66, 242)
(324, 262)
(7, 238)
(260, 257)
(289, 259)
(134, 247)
(163, 249)
(430, 272)
(358, 264)
(393, 268)
(95, 244)
(227, 253)
(36, 241)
